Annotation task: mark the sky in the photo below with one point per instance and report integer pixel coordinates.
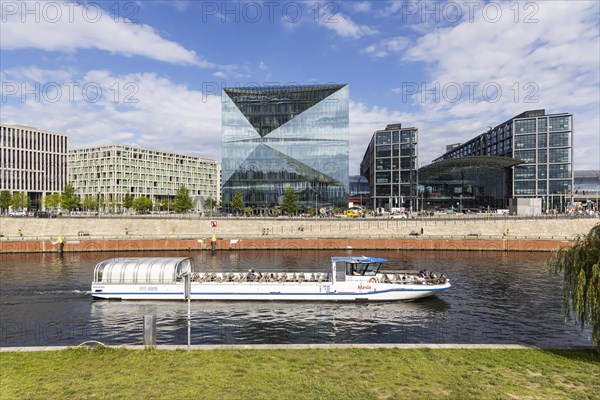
(150, 73)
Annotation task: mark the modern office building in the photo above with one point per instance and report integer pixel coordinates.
(543, 142)
(110, 172)
(275, 137)
(32, 161)
(390, 165)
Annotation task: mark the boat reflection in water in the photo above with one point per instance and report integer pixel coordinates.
(252, 322)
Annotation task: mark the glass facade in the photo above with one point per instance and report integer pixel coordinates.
(275, 137)
(390, 166)
(543, 142)
(468, 183)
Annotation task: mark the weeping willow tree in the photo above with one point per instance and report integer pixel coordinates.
(581, 267)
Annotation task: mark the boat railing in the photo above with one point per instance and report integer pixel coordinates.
(258, 277)
(411, 278)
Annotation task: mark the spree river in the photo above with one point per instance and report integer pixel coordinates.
(496, 297)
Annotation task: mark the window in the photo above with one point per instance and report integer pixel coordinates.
(560, 139)
(542, 156)
(384, 138)
(383, 151)
(560, 171)
(525, 142)
(525, 155)
(559, 123)
(558, 155)
(525, 126)
(525, 172)
(542, 124)
(525, 187)
(542, 172)
(560, 187)
(543, 140)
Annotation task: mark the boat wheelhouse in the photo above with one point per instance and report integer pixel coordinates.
(348, 279)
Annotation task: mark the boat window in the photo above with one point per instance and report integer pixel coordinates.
(100, 271)
(372, 268)
(357, 269)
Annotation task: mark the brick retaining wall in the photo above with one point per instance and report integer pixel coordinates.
(130, 245)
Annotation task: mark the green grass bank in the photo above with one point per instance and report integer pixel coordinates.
(301, 374)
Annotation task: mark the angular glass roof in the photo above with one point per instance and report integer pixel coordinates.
(267, 108)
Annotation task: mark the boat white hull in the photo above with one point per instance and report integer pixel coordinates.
(279, 291)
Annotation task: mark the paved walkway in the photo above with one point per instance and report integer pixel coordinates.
(297, 347)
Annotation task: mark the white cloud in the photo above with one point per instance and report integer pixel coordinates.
(139, 109)
(69, 26)
(359, 6)
(343, 25)
(263, 66)
(385, 47)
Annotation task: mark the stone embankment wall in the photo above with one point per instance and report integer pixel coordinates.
(99, 234)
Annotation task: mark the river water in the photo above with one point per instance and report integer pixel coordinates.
(496, 297)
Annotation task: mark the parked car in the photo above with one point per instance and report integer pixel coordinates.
(42, 214)
(21, 213)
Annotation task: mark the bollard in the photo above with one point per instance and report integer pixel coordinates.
(149, 330)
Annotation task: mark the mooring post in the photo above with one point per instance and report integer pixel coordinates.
(149, 330)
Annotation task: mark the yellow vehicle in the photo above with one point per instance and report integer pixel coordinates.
(351, 214)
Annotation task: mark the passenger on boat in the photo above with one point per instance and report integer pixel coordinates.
(251, 275)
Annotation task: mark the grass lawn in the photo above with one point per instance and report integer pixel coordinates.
(301, 374)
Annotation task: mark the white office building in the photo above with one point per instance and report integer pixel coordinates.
(32, 161)
(110, 172)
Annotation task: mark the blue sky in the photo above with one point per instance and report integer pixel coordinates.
(148, 73)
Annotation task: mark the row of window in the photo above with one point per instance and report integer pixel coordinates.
(560, 139)
(544, 155)
(544, 124)
(543, 171)
(386, 164)
(542, 187)
(34, 181)
(383, 190)
(403, 136)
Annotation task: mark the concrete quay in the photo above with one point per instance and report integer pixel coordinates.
(158, 233)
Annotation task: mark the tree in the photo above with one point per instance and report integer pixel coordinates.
(19, 200)
(210, 204)
(68, 199)
(581, 290)
(289, 204)
(127, 201)
(142, 204)
(237, 202)
(52, 201)
(183, 202)
(90, 202)
(5, 200)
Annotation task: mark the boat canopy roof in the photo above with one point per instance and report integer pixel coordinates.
(142, 270)
(361, 259)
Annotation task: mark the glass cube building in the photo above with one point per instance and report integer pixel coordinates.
(275, 137)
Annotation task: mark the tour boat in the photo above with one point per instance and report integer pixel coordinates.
(348, 279)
